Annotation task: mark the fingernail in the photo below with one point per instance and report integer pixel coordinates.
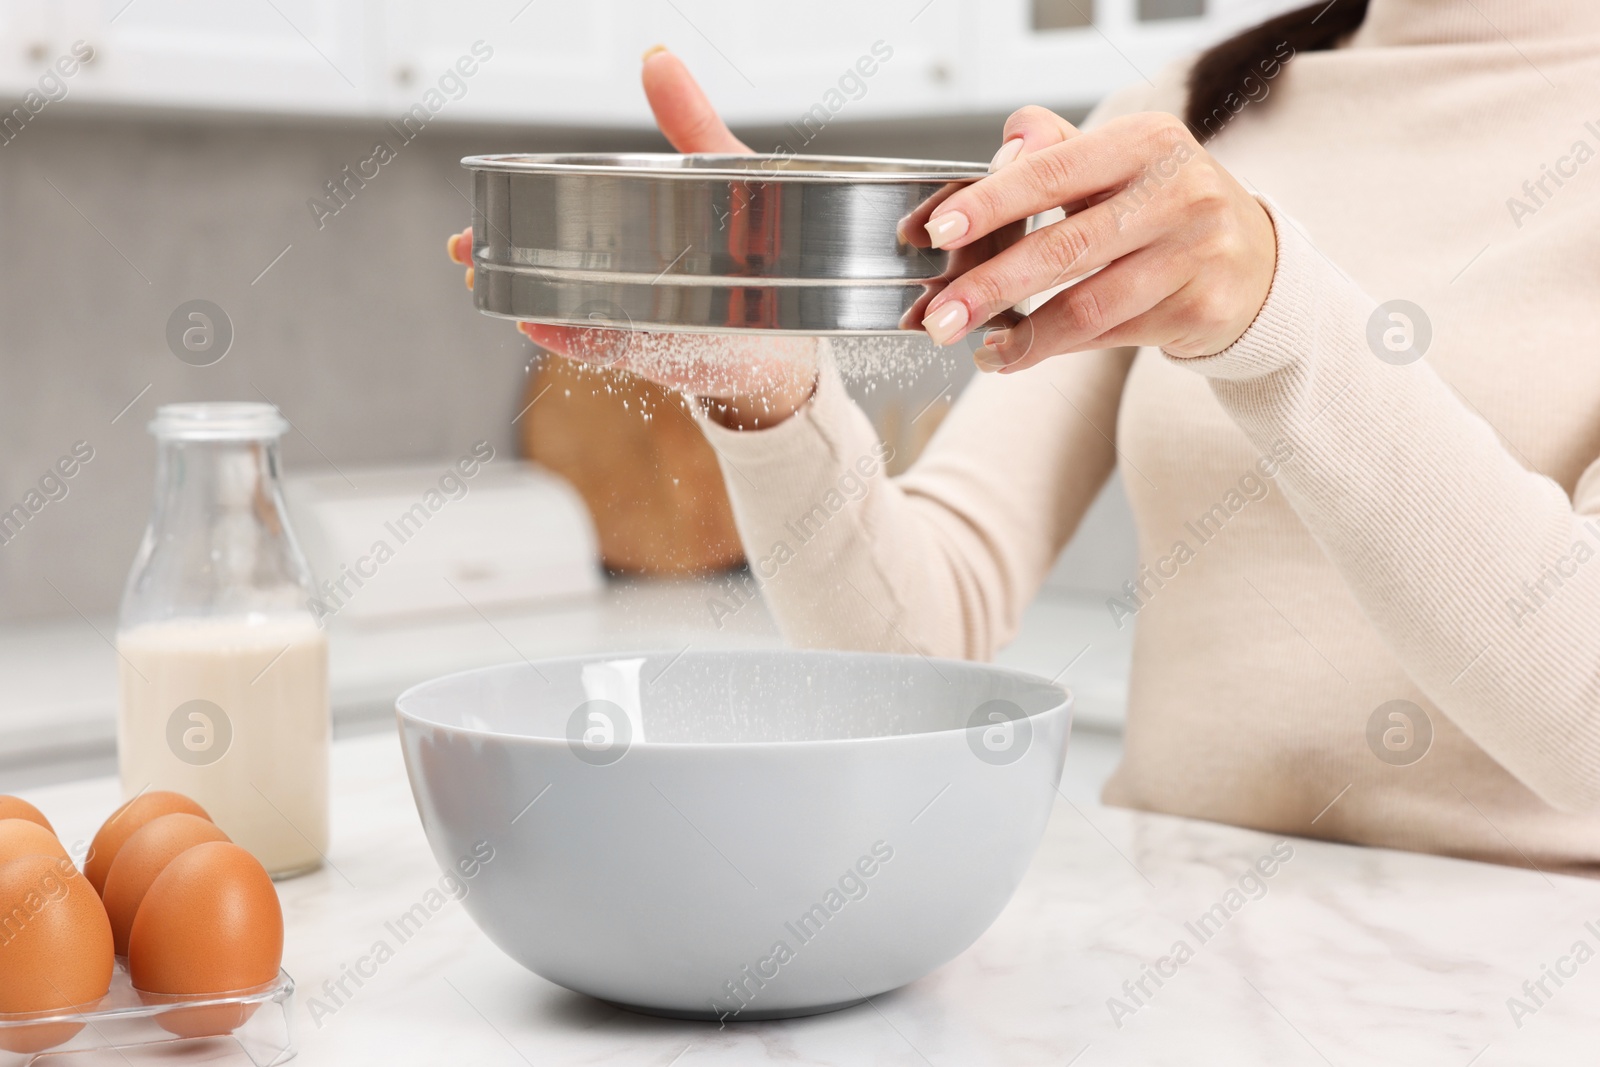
(1008, 152)
(653, 50)
(950, 226)
(996, 337)
(987, 359)
(470, 275)
(943, 325)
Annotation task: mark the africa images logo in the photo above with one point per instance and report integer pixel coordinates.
(199, 732)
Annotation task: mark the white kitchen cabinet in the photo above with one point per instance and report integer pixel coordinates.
(28, 45)
(1013, 64)
(548, 62)
(566, 63)
(294, 56)
(772, 64)
(562, 63)
(777, 63)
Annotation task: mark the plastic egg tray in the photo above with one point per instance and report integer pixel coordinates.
(250, 1026)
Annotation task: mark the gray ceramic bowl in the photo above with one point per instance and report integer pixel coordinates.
(740, 835)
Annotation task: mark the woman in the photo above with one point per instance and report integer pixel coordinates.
(1352, 555)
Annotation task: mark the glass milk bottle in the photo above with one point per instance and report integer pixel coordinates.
(224, 672)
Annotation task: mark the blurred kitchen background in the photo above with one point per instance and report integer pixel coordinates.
(184, 161)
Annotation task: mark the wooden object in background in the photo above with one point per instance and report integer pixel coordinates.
(652, 485)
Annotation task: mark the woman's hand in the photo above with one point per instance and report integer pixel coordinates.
(1184, 254)
(755, 381)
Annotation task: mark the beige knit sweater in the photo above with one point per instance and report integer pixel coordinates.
(1323, 531)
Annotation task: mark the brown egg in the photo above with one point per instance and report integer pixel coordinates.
(125, 822)
(55, 947)
(210, 923)
(17, 808)
(142, 857)
(23, 837)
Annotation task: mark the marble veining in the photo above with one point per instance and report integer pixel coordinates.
(1342, 956)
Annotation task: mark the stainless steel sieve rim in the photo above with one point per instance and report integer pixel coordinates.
(843, 170)
(714, 243)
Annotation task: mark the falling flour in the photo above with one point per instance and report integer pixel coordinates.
(753, 364)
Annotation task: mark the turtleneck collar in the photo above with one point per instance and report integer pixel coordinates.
(1422, 22)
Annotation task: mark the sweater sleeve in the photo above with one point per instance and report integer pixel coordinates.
(1476, 571)
(944, 559)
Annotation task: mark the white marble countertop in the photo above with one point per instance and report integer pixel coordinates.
(1349, 957)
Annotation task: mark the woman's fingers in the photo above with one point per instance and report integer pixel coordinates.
(551, 338)
(1033, 129)
(586, 344)
(1028, 130)
(459, 249)
(765, 378)
(1039, 262)
(1087, 312)
(681, 108)
(1147, 195)
(1073, 170)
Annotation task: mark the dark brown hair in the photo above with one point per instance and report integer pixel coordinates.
(1230, 74)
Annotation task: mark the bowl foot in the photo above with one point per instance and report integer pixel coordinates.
(746, 1016)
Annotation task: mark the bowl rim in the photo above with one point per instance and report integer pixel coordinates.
(1063, 705)
(814, 169)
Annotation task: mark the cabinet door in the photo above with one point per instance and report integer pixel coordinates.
(1069, 54)
(530, 61)
(572, 63)
(31, 40)
(776, 63)
(297, 56)
(578, 64)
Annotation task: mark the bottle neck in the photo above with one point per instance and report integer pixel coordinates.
(218, 541)
(200, 482)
